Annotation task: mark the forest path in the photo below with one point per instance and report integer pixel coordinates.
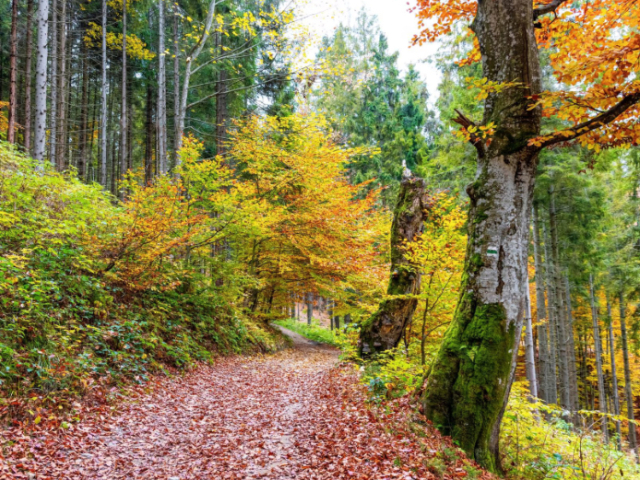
(293, 415)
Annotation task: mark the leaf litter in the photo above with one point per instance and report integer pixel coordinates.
(299, 414)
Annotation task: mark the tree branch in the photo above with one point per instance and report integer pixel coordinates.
(604, 118)
(544, 9)
(466, 122)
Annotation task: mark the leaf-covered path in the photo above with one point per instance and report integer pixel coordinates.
(293, 415)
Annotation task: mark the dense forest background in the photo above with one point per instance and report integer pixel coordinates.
(177, 175)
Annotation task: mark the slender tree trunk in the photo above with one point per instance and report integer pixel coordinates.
(553, 324)
(27, 75)
(123, 108)
(309, 309)
(628, 392)
(61, 140)
(573, 373)
(176, 85)
(188, 70)
(614, 376)
(148, 156)
(530, 361)
(40, 135)
(162, 93)
(13, 75)
(384, 330)
(559, 311)
(543, 336)
(470, 380)
(53, 123)
(598, 350)
(84, 133)
(105, 107)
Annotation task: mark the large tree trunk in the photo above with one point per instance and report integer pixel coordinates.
(13, 75)
(384, 330)
(470, 380)
(27, 76)
(628, 392)
(40, 127)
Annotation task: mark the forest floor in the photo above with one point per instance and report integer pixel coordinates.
(298, 414)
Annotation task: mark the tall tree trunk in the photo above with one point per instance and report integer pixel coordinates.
(27, 75)
(61, 139)
(309, 309)
(105, 107)
(162, 93)
(384, 330)
(560, 311)
(530, 361)
(573, 373)
(470, 380)
(176, 85)
(614, 375)
(40, 126)
(148, 155)
(543, 335)
(602, 400)
(53, 123)
(84, 127)
(553, 323)
(628, 392)
(192, 56)
(123, 108)
(13, 75)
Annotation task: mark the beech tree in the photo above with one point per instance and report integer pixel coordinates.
(470, 379)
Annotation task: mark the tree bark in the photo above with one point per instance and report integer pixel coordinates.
(13, 74)
(530, 362)
(105, 107)
(40, 127)
(53, 123)
(543, 335)
(553, 324)
(573, 369)
(470, 380)
(176, 85)
(384, 330)
(84, 128)
(123, 108)
(161, 121)
(628, 392)
(309, 309)
(602, 400)
(62, 89)
(614, 375)
(27, 75)
(148, 155)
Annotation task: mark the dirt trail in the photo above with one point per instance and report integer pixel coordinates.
(293, 415)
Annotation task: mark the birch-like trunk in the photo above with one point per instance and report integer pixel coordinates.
(602, 399)
(13, 74)
(530, 360)
(176, 84)
(162, 93)
(62, 88)
(190, 60)
(628, 392)
(27, 78)
(40, 124)
(105, 106)
(84, 129)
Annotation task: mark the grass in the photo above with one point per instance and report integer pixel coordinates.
(313, 332)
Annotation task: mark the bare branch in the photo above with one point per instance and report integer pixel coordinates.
(544, 9)
(601, 120)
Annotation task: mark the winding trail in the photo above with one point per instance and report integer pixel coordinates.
(293, 415)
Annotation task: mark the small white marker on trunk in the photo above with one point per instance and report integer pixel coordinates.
(492, 251)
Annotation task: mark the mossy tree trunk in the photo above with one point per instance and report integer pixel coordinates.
(469, 382)
(384, 330)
